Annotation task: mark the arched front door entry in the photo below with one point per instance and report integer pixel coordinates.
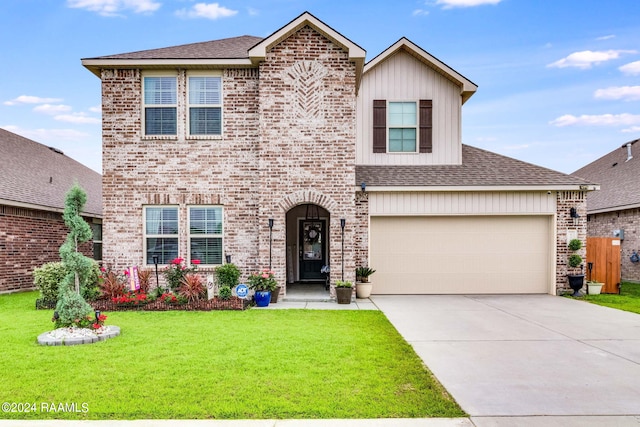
(307, 243)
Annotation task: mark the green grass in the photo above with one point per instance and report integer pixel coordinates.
(628, 300)
(256, 364)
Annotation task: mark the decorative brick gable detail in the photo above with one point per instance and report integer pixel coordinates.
(307, 143)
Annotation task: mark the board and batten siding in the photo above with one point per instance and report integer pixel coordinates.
(404, 78)
(461, 203)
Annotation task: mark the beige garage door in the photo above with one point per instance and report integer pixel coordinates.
(461, 255)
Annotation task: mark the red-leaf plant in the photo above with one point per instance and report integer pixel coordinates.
(191, 287)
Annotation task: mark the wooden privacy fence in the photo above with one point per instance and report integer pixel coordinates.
(603, 255)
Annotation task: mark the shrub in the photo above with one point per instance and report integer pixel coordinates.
(112, 285)
(47, 278)
(263, 281)
(224, 293)
(192, 287)
(177, 270)
(343, 284)
(575, 260)
(144, 276)
(72, 310)
(227, 275)
(575, 244)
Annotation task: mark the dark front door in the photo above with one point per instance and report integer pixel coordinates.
(312, 249)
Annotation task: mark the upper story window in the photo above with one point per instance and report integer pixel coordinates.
(402, 126)
(160, 105)
(205, 105)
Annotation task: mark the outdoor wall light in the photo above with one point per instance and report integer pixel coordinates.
(363, 186)
(228, 258)
(573, 213)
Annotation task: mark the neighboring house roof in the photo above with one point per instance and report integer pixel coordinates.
(467, 87)
(36, 176)
(479, 168)
(618, 179)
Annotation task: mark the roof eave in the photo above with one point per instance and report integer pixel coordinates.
(476, 188)
(468, 88)
(612, 208)
(96, 65)
(60, 210)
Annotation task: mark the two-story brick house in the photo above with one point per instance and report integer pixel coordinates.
(290, 151)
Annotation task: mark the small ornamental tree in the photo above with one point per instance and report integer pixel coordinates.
(72, 309)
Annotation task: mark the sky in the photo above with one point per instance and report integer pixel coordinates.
(558, 80)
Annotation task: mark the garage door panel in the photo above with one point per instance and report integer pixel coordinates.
(459, 255)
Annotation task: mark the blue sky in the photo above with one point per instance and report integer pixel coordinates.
(559, 81)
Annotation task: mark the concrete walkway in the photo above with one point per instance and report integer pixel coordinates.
(526, 355)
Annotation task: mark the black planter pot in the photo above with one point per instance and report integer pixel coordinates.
(576, 281)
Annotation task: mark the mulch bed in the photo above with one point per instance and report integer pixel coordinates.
(234, 303)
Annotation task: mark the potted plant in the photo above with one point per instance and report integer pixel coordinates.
(594, 288)
(263, 283)
(227, 278)
(576, 281)
(363, 286)
(344, 291)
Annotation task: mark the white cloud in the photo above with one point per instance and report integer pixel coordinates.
(28, 99)
(253, 12)
(624, 119)
(115, 7)
(42, 135)
(80, 118)
(206, 10)
(587, 58)
(631, 69)
(632, 129)
(96, 109)
(626, 93)
(420, 12)
(607, 37)
(449, 4)
(52, 109)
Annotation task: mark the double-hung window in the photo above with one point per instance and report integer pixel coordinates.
(402, 126)
(161, 233)
(205, 105)
(205, 234)
(160, 105)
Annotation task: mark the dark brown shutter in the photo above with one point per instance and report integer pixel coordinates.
(426, 126)
(379, 126)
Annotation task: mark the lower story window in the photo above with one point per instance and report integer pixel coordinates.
(205, 234)
(161, 233)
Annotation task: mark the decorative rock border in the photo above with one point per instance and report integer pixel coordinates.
(52, 338)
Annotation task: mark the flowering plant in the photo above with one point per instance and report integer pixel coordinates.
(169, 298)
(131, 298)
(99, 323)
(176, 270)
(263, 281)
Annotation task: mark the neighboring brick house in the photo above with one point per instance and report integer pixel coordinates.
(34, 180)
(614, 211)
(204, 144)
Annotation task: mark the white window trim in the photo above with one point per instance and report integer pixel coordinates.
(416, 126)
(190, 236)
(144, 105)
(146, 236)
(187, 118)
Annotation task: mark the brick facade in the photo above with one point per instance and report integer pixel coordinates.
(28, 239)
(282, 146)
(603, 225)
(564, 226)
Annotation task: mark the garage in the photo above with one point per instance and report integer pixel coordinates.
(499, 254)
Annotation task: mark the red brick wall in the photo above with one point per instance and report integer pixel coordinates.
(28, 239)
(603, 224)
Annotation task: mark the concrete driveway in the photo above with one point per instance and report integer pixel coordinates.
(524, 355)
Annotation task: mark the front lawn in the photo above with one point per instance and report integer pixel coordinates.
(260, 364)
(628, 300)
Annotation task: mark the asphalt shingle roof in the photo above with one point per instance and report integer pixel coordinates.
(35, 174)
(618, 179)
(230, 48)
(479, 168)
